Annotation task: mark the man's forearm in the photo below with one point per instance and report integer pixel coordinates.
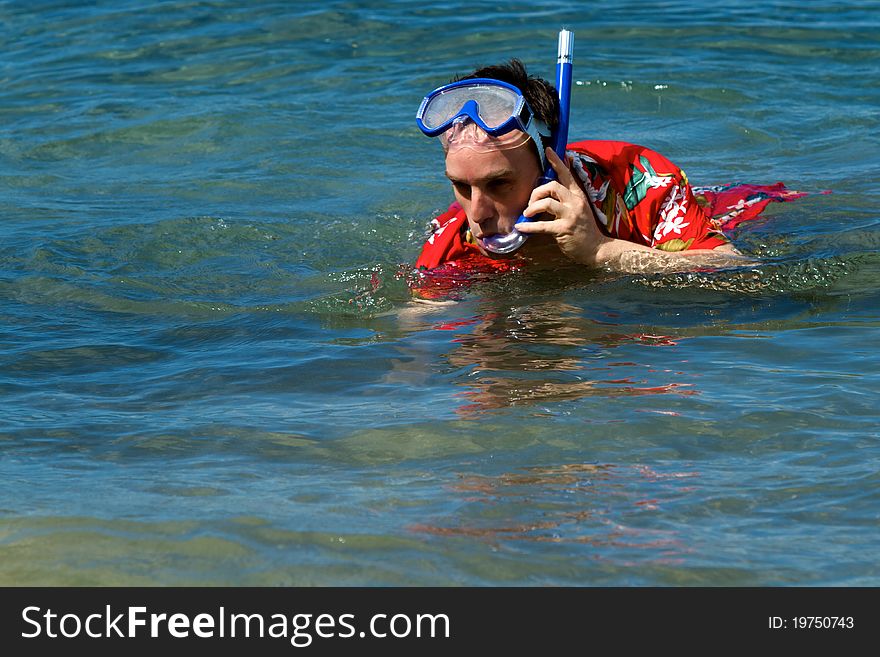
(621, 255)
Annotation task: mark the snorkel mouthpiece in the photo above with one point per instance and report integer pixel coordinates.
(505, 244)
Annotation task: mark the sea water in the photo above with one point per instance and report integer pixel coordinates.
(211, 372)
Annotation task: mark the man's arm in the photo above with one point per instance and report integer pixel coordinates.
(574, 227)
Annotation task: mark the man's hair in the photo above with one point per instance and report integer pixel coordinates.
(540, 94)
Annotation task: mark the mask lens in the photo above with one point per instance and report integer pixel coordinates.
(495, 104)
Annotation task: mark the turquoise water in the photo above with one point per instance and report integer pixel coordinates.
(210, 372)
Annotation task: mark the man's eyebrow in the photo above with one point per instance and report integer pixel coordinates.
(504, 174)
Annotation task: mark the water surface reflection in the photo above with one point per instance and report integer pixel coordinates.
(550, 352)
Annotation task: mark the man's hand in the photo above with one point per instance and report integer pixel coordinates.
(568, 216)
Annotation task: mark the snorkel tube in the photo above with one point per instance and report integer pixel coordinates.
(504, 244)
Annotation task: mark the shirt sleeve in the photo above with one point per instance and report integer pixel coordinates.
(640, 196)
(674, 218)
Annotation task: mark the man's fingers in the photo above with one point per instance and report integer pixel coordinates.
(559, 166)
(547, 204)
(563, 173)
(551, 189)
(538, 227)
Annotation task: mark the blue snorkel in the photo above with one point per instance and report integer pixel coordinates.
(504, 244)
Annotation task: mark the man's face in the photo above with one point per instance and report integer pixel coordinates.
(493, 187)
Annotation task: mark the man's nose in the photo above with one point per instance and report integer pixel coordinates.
(482, 207)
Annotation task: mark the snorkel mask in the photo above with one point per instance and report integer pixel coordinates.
(484, 114)
(481, 114)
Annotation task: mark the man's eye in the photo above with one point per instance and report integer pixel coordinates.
(462, 189)
(499, 185)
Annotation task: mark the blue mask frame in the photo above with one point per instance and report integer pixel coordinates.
(521, 117)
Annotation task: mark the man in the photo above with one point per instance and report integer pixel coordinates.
(614, 204)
